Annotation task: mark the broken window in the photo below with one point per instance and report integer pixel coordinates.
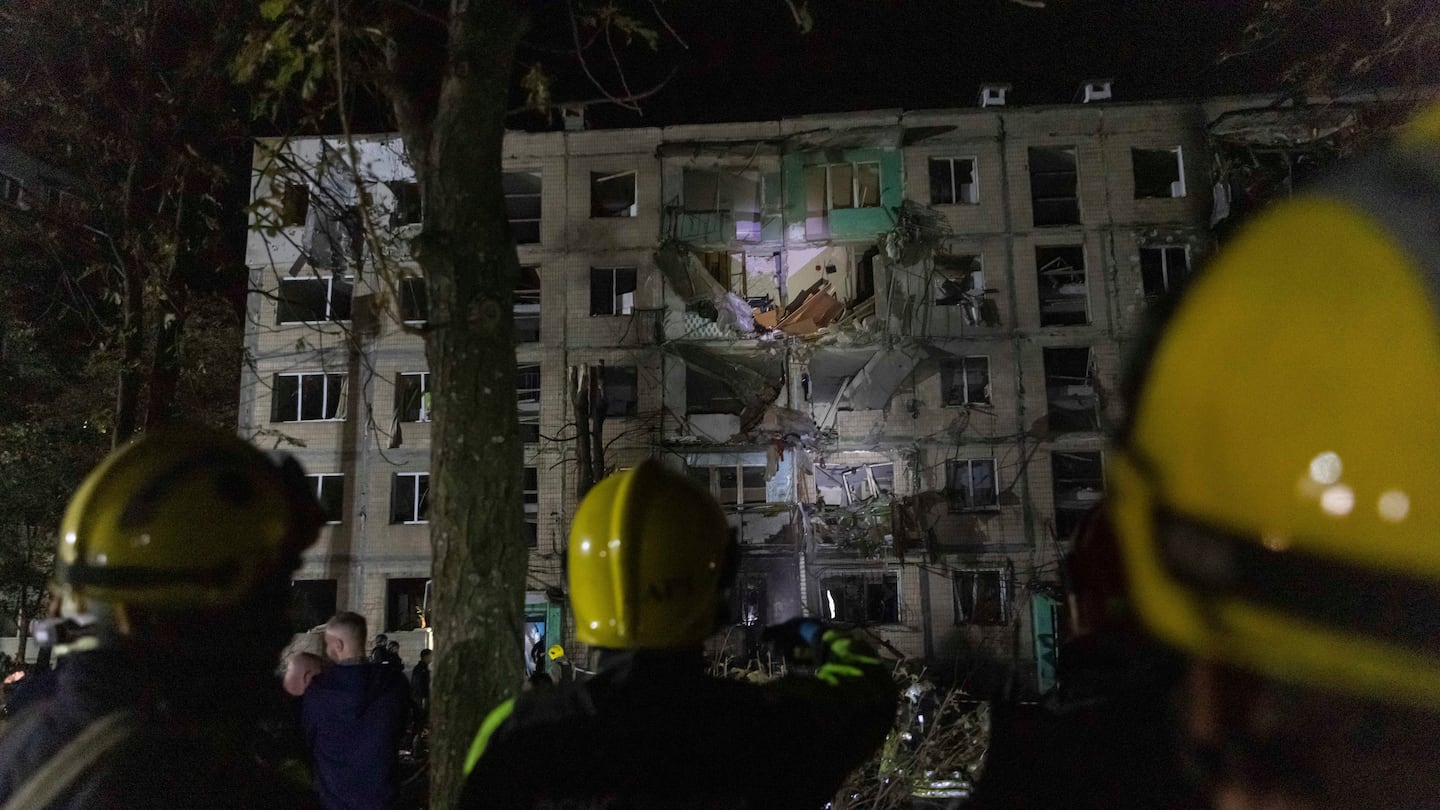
(412, 396)
(958, 280)
(839, 186)
(312, 603)
(621, 397)
(407, 209)
(527, 401)
(613, 195)
(414, 300)
(952, 181)
(330, 492)
(1162, 268)
(527, 306)
(312, 300)
(11, 190)
(981, 596)
(965, 381)
(410, 498)
(530, 499)
(1053, 180)
(738, 193)
(404, 601)
(612, 290)
(869, 481)
(1158, 172)
(307, 397)
(522, 205)
(706, 393)
(750, 604)
(1079, 486)
(1064, 297)
(862, 598)
(1070, 392)
(847, 486)
(294, 202)
(971, 486)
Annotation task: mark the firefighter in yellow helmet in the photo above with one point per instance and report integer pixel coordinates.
(650, 560)
(1277, 495)
(173, 572)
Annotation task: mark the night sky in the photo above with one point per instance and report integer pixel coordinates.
(746, 60)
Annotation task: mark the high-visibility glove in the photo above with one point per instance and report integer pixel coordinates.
(834, 653)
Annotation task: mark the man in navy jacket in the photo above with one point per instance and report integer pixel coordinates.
(353, 715)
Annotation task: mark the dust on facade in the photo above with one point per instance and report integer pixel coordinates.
(887, 342)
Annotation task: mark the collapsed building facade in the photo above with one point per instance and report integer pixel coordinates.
(887, 342)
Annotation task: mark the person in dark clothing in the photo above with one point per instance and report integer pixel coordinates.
(353, 715)
(180, 543)
(386, 652)
(652, 728)
(420, 683)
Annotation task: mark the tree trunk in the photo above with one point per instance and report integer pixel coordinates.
(468, 257)
(132, 344)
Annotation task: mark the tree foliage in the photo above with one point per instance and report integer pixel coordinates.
(115, 309)
(1322, 47)
(109, 92)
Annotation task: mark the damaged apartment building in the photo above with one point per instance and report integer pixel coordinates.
(887, 342)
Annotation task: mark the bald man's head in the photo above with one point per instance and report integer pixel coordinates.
(300, 670)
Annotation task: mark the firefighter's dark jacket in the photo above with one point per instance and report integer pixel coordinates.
(193, 743)
(651, 729)
(353, 716)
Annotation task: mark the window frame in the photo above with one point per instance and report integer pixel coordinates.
(1082, 419)
(1167, 286)
(527, 297)
(392, 591)
(1138, 153)
(406, 289)
(955, 188)
(1073, 516)
(420, 502)
(530, 503)
(423, 411)
(337, 413)
(320, 479)
(538, 196)
(1050, 201)
(1002, 586)
(1043, 267)
(596, 212)
(528, 395)
(615, 299)
(961, 363)
(951, 465)
(329, 280)
(634, 374)
(885, 579)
